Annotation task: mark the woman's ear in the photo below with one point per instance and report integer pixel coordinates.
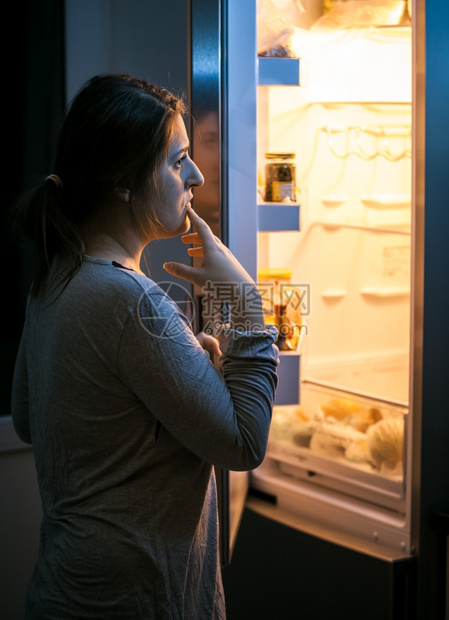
(124, 194)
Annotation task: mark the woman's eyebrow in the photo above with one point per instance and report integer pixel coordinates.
(181, 150)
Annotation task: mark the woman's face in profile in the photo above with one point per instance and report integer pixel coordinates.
(177, 176)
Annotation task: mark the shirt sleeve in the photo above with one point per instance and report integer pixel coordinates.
(222, 415)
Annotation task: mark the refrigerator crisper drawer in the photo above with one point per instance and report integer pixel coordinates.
(345, 442)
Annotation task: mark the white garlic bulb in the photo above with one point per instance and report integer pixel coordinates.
(385, 441)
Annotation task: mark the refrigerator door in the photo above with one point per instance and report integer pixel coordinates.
(206, 93)
(222, 122)
(232, 493)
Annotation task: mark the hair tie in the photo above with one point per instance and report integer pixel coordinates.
(56, 180)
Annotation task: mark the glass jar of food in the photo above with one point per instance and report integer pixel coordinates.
(284, 340)
(280, 177)
(281, 299)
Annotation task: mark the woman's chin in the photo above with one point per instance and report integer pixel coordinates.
(185, 226)
(182, 229)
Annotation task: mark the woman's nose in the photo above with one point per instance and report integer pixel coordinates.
(195, 178)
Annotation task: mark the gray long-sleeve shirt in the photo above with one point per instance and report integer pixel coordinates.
(127, 416)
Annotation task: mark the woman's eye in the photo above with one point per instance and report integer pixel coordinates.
(178, 164)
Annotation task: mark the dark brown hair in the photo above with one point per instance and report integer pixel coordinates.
(114, 137)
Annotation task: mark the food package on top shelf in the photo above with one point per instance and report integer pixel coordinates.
(347, 14)
(273, 32)
(293, 11)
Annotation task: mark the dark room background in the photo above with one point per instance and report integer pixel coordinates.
(34, 99)
(51, 47)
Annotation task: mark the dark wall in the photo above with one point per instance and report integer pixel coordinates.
(33, 105)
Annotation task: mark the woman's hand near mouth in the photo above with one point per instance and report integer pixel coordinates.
(219, 267)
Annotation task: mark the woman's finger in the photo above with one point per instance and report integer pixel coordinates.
(195, 252)
(191, 238)
(205, 234)
(186, 272)
(209, 343)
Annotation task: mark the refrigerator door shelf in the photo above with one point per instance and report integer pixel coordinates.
(276, 217)
(278, 71)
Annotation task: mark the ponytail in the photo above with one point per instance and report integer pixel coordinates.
(40, 218)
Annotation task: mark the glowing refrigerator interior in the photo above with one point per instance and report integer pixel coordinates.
(340, 448)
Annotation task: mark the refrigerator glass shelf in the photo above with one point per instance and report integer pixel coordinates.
(384, 378)
(335, 293)
(395, 228)
(334, 201)
(386, 202)
(398, 291)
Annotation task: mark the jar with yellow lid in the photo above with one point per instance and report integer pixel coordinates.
(280, 177)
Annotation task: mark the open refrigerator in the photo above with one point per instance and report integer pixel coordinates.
(329, 94)
(338, 443)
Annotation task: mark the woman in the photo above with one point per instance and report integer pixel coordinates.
(125, 412)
